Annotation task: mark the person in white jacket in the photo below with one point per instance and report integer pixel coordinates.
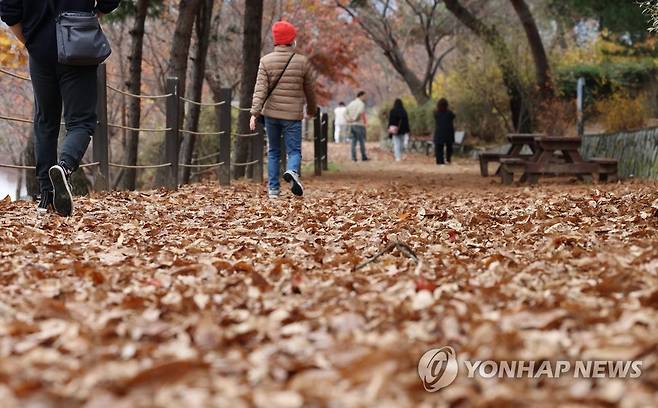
(340, 122)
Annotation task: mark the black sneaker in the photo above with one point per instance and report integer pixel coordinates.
(63, 199)
(293, 178)
(45, 203)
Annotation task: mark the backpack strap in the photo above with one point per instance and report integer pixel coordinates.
(276, 83)
(52, 7)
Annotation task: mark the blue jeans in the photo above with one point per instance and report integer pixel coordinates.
(292, 136)
(359, 135)
(398, 146)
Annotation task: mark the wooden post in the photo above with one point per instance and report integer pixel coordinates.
(172, 145)
(317, 143)
(580, 103)
(259, 145)
(325, 141)
(224, 125)
(100, 140)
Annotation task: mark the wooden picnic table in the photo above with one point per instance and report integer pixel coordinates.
(517, 142)
(555, 156)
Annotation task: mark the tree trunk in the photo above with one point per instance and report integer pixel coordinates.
(134, 85)
(542, 67)
(180, 51)
(507, 64)
(415, 84)
(253, 21)
(203, 23)
(29, 159)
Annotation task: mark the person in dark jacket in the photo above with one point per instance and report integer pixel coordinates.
(398, 127)
(444, 132)
(56, 86)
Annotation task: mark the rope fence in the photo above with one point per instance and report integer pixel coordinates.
(17, 76)
(202, 103)
(251, 163)
(19, 167)
(175, 104)
(206, 157)
(153, 166)
(190, 132)
(13, 119)
(132, 95)
(201, 166)
(115, 126)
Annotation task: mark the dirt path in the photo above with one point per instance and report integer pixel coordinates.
(212, 296)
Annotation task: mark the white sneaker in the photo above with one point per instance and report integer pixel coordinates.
(62, 199)
(297, 187)
(273, 194)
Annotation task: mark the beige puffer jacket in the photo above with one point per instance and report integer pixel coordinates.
(295, 86)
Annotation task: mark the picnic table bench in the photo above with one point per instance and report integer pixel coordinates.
(517, 142)
(426, 143)
(556, 156)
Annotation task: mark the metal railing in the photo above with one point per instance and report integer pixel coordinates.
(173, 131)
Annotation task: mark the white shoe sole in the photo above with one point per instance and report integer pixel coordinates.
(297, 187)
(63, 198)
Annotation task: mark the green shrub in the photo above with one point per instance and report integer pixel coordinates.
(602, 80)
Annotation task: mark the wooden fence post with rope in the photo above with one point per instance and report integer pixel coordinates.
(172, 145)
(317, 143)
(224, 120)
(325, 141)
(102, 166)
(100, 141)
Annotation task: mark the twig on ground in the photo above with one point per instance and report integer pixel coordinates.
(402, 247)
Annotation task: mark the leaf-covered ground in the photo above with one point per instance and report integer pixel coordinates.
(220, 297)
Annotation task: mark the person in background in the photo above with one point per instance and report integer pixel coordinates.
(444, 132)
(356, 118)
(398, 127)
(339, 122)
(56, 86)
(285, 80)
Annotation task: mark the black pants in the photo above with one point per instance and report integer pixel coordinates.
(439, 147)
(74, 88)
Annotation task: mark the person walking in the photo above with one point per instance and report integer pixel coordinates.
(356, 118)
(398, 127)
(56, 85)
(285, 80)
(339, 122)
(444, 132)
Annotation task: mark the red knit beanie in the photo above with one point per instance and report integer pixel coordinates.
(283, 33)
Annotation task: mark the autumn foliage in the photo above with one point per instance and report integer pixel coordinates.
(332, 43)
(12, 53)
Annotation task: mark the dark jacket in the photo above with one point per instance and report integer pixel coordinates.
(39, 21)
(399, 118)
(444, 130)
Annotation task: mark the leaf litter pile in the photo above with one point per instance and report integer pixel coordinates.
(220, 297)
